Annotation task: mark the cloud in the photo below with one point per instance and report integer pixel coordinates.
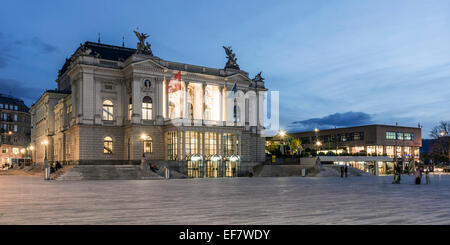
(35, 46)
(16, 89)
(346, 119)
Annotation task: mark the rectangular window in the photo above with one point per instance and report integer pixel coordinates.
(171, 140)
(408, 136)
(15, 117)
(390, 151)
(390, 136)
(399, 136)
(228, 147)
(1, 106)
(148, 146)
(16, 108)
(191, 143)
(15, 128)
(210, 143)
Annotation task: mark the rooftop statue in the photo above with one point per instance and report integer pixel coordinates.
(142, 46)
(258, 78)
(231, 63)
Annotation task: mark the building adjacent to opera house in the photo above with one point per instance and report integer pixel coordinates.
(113, 104)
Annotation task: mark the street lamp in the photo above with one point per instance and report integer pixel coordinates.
(143, 137)
(445, 133)
(282, 134)
(319, 144)
(46, 168)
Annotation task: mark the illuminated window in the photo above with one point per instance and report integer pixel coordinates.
(15, 150)
(390, 135)
(227, 141)
(108, 108)
(191, 143)
(107, 145)
(147, 108)
(400, 136)
(148, 147)
(390, 151)
(210, 143)
(408, 136)
(171, 140)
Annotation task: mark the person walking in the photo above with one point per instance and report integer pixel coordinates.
(346, 170)
(418, 176)
(342, 171)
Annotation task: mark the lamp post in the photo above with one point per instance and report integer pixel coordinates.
(282, 134)
(143, 137)
(46, 167)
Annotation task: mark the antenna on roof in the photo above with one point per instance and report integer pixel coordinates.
(98, 37)
(123, 41)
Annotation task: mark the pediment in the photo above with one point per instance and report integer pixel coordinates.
(148, 65)
(239, 78)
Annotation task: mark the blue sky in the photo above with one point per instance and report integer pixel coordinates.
(335, 63)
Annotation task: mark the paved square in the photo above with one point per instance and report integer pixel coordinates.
(296, 200)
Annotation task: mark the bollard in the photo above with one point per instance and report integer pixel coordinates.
(167, 173)
(47, 173)
(303, 172)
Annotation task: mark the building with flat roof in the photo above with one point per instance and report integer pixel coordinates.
(15, 130)
(398, 143)
(114, 104)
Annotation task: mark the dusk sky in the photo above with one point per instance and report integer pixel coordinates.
(335, 63)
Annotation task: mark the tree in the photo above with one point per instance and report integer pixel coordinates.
(296, 146)
(439, 147)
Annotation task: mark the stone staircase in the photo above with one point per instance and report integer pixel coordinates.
(108, 172)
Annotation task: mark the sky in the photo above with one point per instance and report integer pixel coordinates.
(335, 63)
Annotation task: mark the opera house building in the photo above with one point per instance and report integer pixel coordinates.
(116, 105)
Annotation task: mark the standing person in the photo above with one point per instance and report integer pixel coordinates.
(417, 175)
(346, 170)
(427, 177)
(342, 171)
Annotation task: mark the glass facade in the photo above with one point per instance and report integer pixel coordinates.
(171, 140)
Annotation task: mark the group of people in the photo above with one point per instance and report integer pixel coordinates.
(418, 172)
(344, 171)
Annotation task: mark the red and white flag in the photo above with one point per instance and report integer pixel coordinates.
(175, 83)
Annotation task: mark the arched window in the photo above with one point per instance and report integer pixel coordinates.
(147, 108)
(148, 145)
(107, 145)
(236, 112)
(108, 110)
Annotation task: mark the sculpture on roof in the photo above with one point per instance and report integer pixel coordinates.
(232, 60)
(142, 46)
(258, 81)
(258, 78)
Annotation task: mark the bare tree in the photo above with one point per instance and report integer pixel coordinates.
(440, 134)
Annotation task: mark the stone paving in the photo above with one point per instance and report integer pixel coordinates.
(284, 200)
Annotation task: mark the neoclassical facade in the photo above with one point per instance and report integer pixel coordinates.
(114, 104)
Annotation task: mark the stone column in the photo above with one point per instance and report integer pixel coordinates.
(217, 144)
(203, 143)
(203, 100)
(178, 145)
(183, 150)
(185, 101)
(137, 100)
(224, 103)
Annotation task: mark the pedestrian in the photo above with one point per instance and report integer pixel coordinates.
(427, 177)
(342, 171)
(418, 176)
(346, 170)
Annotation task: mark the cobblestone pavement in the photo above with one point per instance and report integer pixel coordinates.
(296, 200)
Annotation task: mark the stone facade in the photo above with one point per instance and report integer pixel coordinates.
(109, 97)
(14, 131)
